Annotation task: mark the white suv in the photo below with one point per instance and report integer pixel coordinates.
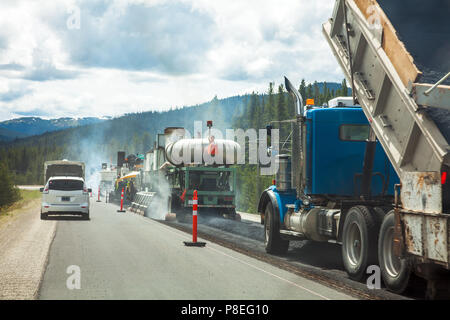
(65, 195)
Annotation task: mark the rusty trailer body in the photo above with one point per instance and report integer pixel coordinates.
(385, 78)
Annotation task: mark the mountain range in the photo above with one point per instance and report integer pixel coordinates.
(30, 126)
(23, 127)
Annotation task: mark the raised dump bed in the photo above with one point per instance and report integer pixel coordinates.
(385, 83)
(393, 72)
(423, 27)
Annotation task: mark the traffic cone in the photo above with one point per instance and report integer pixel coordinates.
(121, 203)
(194, 242)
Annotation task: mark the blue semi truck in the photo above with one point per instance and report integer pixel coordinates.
(335, 185)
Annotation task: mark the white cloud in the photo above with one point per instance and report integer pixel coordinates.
(136, 55)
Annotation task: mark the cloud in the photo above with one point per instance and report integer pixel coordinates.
(43, 69)
(48, 72)
(14, 93)
(166, 37)
(137, 55)
(34, 113)
(12, 66)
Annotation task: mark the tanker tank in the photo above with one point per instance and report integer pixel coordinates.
(201, 151)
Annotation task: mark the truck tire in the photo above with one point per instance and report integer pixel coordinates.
(395, 272)
(44, 216)
(273, 242)
(86, 216)
(359, 241)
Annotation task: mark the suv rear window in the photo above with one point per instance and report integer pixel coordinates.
(65, 185)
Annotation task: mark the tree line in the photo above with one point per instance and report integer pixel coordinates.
(272, 106)
(23, 159)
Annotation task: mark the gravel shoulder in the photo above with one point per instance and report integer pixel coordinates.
(24, 245)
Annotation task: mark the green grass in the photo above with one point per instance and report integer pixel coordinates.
(25, 197)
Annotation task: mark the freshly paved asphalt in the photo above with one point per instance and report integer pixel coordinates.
(127, 256)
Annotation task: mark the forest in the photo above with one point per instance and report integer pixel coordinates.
(22, 160)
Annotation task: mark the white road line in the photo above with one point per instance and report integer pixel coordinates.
(184, 235)
(269, 273)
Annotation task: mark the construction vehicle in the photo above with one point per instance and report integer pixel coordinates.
(64, 167)
(215, 183)
(336, 184)
(107, 178)
(128, 176)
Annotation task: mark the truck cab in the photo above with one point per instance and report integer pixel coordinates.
(335, 185)
(335, 147)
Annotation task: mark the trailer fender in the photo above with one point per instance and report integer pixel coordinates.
(266, 196)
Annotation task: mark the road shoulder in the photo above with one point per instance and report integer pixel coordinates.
(24, 246)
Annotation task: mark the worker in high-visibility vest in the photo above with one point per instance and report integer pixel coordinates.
(128, 191)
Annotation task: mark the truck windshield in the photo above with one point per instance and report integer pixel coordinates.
(65, 185)
(211, 181)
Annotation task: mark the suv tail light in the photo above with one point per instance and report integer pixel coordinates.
(45, 190)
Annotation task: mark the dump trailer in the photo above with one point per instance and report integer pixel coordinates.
(410, 119)
(396, 218)
(64, 167)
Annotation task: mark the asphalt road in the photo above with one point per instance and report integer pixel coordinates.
(127, 256)
(317, 261)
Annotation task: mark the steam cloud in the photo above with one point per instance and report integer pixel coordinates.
(159, 205)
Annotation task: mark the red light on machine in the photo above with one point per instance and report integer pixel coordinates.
(443, 177)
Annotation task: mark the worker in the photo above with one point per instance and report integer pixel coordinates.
(132, 190)
(128, 190)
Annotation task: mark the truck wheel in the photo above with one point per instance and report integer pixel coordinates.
(359, 241)
(86, 216)
(44, 216)
(394, 271)
(272, 240)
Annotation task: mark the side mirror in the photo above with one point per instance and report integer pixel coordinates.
(41, 189)
(89, 190)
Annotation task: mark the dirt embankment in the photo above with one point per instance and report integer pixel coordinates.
(24, 244)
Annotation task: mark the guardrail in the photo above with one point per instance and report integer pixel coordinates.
(141, 202)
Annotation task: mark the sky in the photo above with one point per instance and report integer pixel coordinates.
(98, 58)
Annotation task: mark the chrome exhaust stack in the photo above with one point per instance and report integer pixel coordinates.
(298, 100)
(298, 142)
